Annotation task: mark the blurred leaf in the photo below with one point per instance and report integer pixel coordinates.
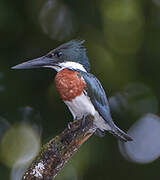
(56, 19)
(135, 99)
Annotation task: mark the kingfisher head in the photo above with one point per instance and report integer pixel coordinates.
(68, 55)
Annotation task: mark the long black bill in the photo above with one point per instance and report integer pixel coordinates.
(35, 63)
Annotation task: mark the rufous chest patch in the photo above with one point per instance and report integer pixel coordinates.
(68, 84)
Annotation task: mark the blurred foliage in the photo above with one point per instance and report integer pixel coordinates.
(123, 45)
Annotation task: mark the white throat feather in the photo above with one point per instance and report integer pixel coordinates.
(69, 64)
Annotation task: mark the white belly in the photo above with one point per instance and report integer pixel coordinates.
(82, 105)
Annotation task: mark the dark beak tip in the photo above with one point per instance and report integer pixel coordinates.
(15, 67)
(21, 66)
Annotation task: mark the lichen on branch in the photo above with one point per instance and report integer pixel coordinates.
(59, 150)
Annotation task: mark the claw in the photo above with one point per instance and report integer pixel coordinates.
(75, 118)
(99, 133)
(83, 121)
(69, 125)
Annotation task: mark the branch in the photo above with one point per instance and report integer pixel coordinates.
(59, 150)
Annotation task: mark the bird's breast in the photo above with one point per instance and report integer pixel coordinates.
(68, 84)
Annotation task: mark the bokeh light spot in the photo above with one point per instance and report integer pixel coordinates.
(123, 25)
(145, 146)
(19, 145)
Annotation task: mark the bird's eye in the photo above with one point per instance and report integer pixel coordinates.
(58, 54)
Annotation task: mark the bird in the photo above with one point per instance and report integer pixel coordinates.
(80, 90)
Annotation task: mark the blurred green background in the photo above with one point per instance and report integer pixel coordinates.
(123, 45)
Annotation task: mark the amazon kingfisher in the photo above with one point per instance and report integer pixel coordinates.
(80, 90)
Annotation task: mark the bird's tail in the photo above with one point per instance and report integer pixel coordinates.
(122, 136)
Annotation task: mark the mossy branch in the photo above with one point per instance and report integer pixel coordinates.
(59, 150)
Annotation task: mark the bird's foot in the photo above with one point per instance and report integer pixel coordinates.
(99, 133)
(75, 118)
(83, 122)
(69, 125)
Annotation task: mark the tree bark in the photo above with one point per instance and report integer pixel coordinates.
(59, 150)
